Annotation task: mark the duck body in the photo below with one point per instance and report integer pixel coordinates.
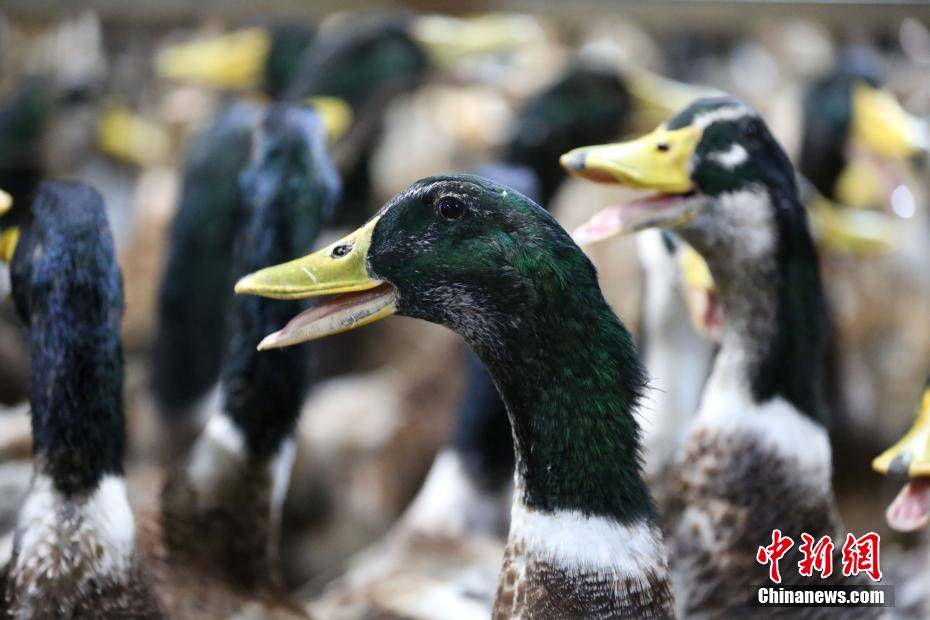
(222, 508)
(487, 262)
(74, 550)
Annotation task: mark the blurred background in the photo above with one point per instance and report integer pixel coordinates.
(117, 94)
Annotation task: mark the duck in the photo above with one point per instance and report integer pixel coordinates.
(485, 261)
(75, 551)
(848, 114)
(193, 294)
(463, 505)
(757, 456)
(909, 459)
(221, 508)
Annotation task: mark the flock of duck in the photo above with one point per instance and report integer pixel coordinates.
(603, 519)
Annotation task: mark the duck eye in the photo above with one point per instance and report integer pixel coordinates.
(451, 208)
(750, 130)
(341, 250)
(663, 146)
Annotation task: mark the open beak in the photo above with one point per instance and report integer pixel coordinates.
(884, 127)
(910, 457)
(233, 61)
(339, 270)
(9, 237)
(451, 39)
(659, 161)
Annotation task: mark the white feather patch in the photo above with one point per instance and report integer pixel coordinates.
(728, 113)
(735, 156)
(749, 211)
(576, 542)
(58, 536)
(727, 407)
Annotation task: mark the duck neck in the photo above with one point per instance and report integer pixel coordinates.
(768, 284)
(76, 394)
(570, 378)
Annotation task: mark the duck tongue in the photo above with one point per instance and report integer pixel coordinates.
(910, 510)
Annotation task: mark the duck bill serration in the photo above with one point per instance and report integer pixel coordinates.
(339, 271)
(659, 161)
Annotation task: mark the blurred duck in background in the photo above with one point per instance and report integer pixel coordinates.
(756, 457)
(365, 61)
(851, 126)
(196, 282)
(221, 509)
(75, 549)
(360, 63)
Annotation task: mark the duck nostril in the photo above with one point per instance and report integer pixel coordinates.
(341, 250)
(663, 146)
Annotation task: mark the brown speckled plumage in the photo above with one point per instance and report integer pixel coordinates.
(532, 588)
(234, 539)
(737, 491)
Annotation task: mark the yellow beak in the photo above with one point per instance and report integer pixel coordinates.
(841, 230)
(127, 136)
(9, 237)
(233, 61)
(660, 161)
(335, 113)
(911, 455)
(450, 39)
(338, 268)
(8, 240)
(884, 127)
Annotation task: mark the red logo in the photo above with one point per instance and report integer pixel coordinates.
(859, 555)
(772, 553)
(816, 556)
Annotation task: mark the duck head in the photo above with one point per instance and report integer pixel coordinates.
(695, 165)
(909, 459)
(722, 182)
(855, 131)
(459, 250)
